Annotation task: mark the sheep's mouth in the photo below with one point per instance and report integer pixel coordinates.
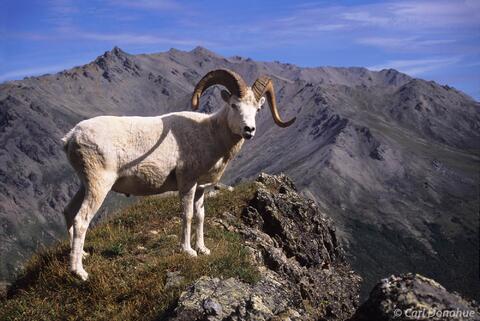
(247, 135)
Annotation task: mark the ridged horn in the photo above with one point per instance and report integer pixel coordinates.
(264, 86)
(225, 77)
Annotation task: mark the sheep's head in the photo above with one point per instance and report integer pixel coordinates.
(243, 102)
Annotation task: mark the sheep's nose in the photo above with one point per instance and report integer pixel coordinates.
(248, 129)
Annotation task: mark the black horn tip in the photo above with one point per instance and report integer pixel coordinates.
(287, 123)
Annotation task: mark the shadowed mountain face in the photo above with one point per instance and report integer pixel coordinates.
(393, 160)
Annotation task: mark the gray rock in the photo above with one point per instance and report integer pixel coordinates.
(221, 186)
(415, 297)
(212, 307)
(230, 299)
(174, 279)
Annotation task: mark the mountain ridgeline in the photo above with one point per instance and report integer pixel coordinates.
(393, 160)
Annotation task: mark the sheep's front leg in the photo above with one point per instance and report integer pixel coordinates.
(200, 215)
(187, 197)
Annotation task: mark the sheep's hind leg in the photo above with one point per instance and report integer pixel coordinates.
(187, 196)
(71, 210)
(94, 197)
(200, 215)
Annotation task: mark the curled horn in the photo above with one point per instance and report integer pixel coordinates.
(227, 78)
(264, 86)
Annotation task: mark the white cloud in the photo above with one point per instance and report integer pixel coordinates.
(329, 27)
(143, 39)
(415, 67)
(437, 13)
(60, 13)
(409, 15)
(149, 4)
(406, 25)
(403, 43)
(386, 42)
(34, 71)
(365, 17)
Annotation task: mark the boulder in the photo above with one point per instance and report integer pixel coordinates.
(415, 297)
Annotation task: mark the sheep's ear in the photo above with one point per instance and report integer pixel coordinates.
(261, 101)
(226, 95)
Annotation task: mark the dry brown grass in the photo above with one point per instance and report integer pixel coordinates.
(128, 264)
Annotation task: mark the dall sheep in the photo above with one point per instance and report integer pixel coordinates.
(180, 151)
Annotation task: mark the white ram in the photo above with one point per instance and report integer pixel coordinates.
(182, 151)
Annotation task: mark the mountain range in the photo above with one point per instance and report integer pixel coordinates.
(393, 160)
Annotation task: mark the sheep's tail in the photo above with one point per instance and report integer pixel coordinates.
(66, 140)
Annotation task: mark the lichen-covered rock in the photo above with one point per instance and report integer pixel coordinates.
(303, 275)
(297, 241)
(295, 223)
(414, 297)
(174, 279)
(230, 299)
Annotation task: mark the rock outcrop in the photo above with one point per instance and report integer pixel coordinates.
(303, 274)
(415, 297)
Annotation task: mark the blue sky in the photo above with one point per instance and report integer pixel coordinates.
(431, 39)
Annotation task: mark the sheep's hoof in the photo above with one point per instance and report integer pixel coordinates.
(82, 274)
(190, 251)
(203, 250)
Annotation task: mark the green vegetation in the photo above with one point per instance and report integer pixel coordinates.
(130, 256)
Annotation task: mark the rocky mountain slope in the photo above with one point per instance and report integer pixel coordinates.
(393, 159)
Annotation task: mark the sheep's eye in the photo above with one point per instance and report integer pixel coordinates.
(234, 106)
